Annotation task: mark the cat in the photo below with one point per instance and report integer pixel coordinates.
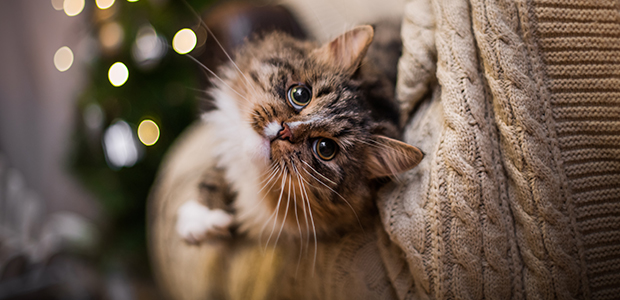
(305, 134)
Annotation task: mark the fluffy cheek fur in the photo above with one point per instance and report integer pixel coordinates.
(242, 153)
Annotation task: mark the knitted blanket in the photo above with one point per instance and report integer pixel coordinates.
(517, 107)
(518, 197)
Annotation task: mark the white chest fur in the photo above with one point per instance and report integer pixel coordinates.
(244, 155)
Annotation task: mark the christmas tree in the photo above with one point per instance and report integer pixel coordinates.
(141, 94)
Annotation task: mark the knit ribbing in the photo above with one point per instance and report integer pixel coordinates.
(543, 219)
(580, 47)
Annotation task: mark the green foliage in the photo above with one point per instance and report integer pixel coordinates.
(167, 93)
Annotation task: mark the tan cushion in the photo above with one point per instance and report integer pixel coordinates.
(518, 195)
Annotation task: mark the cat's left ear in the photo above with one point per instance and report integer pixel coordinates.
(347, 50)
(388, 157)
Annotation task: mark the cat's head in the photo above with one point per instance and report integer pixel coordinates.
(322, 124)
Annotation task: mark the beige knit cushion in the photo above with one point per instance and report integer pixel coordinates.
(518, 196)
(580, 48)
(517, 107)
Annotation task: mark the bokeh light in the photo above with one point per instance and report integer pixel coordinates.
(184, 41)
(148, 132)
(120, 145)
(101, 16)
(118, 74)
(73, 7)
(104, 4)
(63, 59)
(132, 0)
(111, 35)
(57, 4)
(148, 48)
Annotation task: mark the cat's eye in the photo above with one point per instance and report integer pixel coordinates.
(299, 96)
(325, 148)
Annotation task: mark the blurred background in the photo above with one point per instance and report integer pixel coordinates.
(92, 94)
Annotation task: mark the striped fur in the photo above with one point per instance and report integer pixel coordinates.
(282, 185)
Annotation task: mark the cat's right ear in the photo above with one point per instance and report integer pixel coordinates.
(347, 50)
(390, 157)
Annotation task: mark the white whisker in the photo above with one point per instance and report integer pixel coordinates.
(247, 81)
(313, 227)
(298, 226)
(309, 166)
(374, 144)
(215, 75)
(260, 236)
(345, 200)
(275, 220)
(271, 170)
(303, 206)
(288, 202)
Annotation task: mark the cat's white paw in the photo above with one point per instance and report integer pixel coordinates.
(196, 222)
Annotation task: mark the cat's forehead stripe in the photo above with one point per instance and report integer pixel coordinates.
(314, 119)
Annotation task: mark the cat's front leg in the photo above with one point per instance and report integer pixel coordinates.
(210, 216)
(197, 223)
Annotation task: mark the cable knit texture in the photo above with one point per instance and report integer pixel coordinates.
(516, 105)
(518, 196)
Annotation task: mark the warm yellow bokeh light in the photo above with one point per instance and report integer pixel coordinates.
(104, 4)
(57, 4)
(148, 132)
(63, 59)
(132, 0)
(73, 7)
(118, 74)
(111, 35)
(184, 41)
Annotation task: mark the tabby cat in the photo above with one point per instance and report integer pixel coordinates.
(305, 136)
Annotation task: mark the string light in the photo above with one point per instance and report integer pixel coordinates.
(184, 41)
(104, 4)
(118, 74)
(148, 132)
(73, 7)
(63, 59)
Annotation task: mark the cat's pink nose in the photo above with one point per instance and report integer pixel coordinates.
(285, 133)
